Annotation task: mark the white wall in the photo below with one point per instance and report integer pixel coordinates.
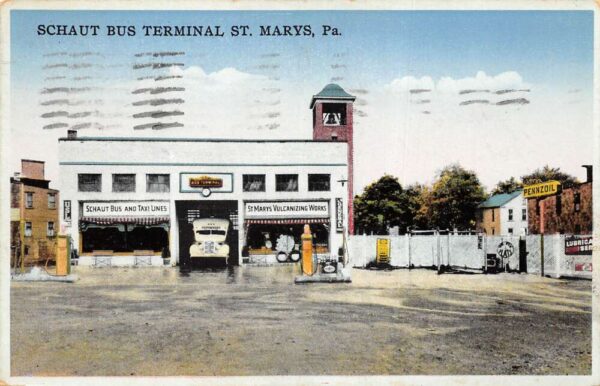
(518, 225)
(173, 157)
(462, 251)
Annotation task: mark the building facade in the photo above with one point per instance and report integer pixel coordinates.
(503, 214)
(568, 212)
(128, 201)
(34, 215)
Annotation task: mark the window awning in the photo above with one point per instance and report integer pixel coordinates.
(139, 220)
(288, 221)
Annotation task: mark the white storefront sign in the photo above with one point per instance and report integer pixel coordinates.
(125, 208)
(287, 209)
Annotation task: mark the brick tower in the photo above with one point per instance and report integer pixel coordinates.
(332, 120)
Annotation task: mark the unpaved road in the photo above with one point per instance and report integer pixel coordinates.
(254, 320)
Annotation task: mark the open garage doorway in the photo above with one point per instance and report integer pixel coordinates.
(208, 233)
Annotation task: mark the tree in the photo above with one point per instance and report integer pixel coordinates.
(455, 196)
(382, 205)
(546, 174)
(419, 199)
(507, 186)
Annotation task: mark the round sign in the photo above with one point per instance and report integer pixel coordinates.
(329, 268)
(205, 192)
(505, 249)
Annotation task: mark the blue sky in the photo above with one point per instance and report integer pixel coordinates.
(547, 46)
(260, 87)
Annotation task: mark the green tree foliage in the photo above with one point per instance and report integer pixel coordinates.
(507, 186)
(454, 198)
(384, 204)
(546, 174)
(419, 198)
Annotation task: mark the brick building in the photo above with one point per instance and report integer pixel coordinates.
(333, 121)
(569, 212)
(34, 214)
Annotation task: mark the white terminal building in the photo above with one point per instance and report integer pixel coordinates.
(133, 201)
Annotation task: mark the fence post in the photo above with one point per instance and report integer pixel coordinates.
(558, 255)
(448, 248)
(437, 250)
(542, 254)
(407, 236)
(484, 251)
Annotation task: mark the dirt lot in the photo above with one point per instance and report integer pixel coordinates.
(254, 320)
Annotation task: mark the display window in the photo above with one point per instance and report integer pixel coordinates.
(123, 238)
(264, 237)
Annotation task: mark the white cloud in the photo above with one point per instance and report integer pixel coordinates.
(481, 81)
(408, 83)
(416, 134)
(393, 134)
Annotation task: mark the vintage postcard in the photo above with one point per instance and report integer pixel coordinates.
(266, 193)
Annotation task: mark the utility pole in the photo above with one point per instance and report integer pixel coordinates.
(541, 203)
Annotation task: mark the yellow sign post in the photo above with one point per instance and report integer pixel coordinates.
(383, 251)
(547, 188)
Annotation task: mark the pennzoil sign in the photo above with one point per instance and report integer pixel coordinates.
(548, 188)
(205, 182)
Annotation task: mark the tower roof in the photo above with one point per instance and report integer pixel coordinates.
(332, 91)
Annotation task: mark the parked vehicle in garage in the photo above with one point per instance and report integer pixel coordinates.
(210, 235)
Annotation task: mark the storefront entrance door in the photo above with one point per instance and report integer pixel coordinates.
(200, 228)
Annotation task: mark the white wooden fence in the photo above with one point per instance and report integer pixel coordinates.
(470, 251)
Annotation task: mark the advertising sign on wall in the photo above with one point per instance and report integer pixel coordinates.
(287, 209)
(578, 245)
(125, 208)
(339, 214)
(383, 251)
(540, 190)
(67, 211)
(197, 182)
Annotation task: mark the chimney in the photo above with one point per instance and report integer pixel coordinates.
(589, 176)
(72, 134)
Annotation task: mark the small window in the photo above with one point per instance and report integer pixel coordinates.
(123, 183)
(577, 202)
(319, 182)
(537, 207)
(510, 231)
(50, 229)
(158, 183)
(28, 229)
(51, 201)
(253, 182)
(286, 182)
(493, 231)
(28, 200)
(493, 215)
(558, 205)
(524, 214)
(510, 215)
(334, 114)
(334, 137)
(89, 182)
